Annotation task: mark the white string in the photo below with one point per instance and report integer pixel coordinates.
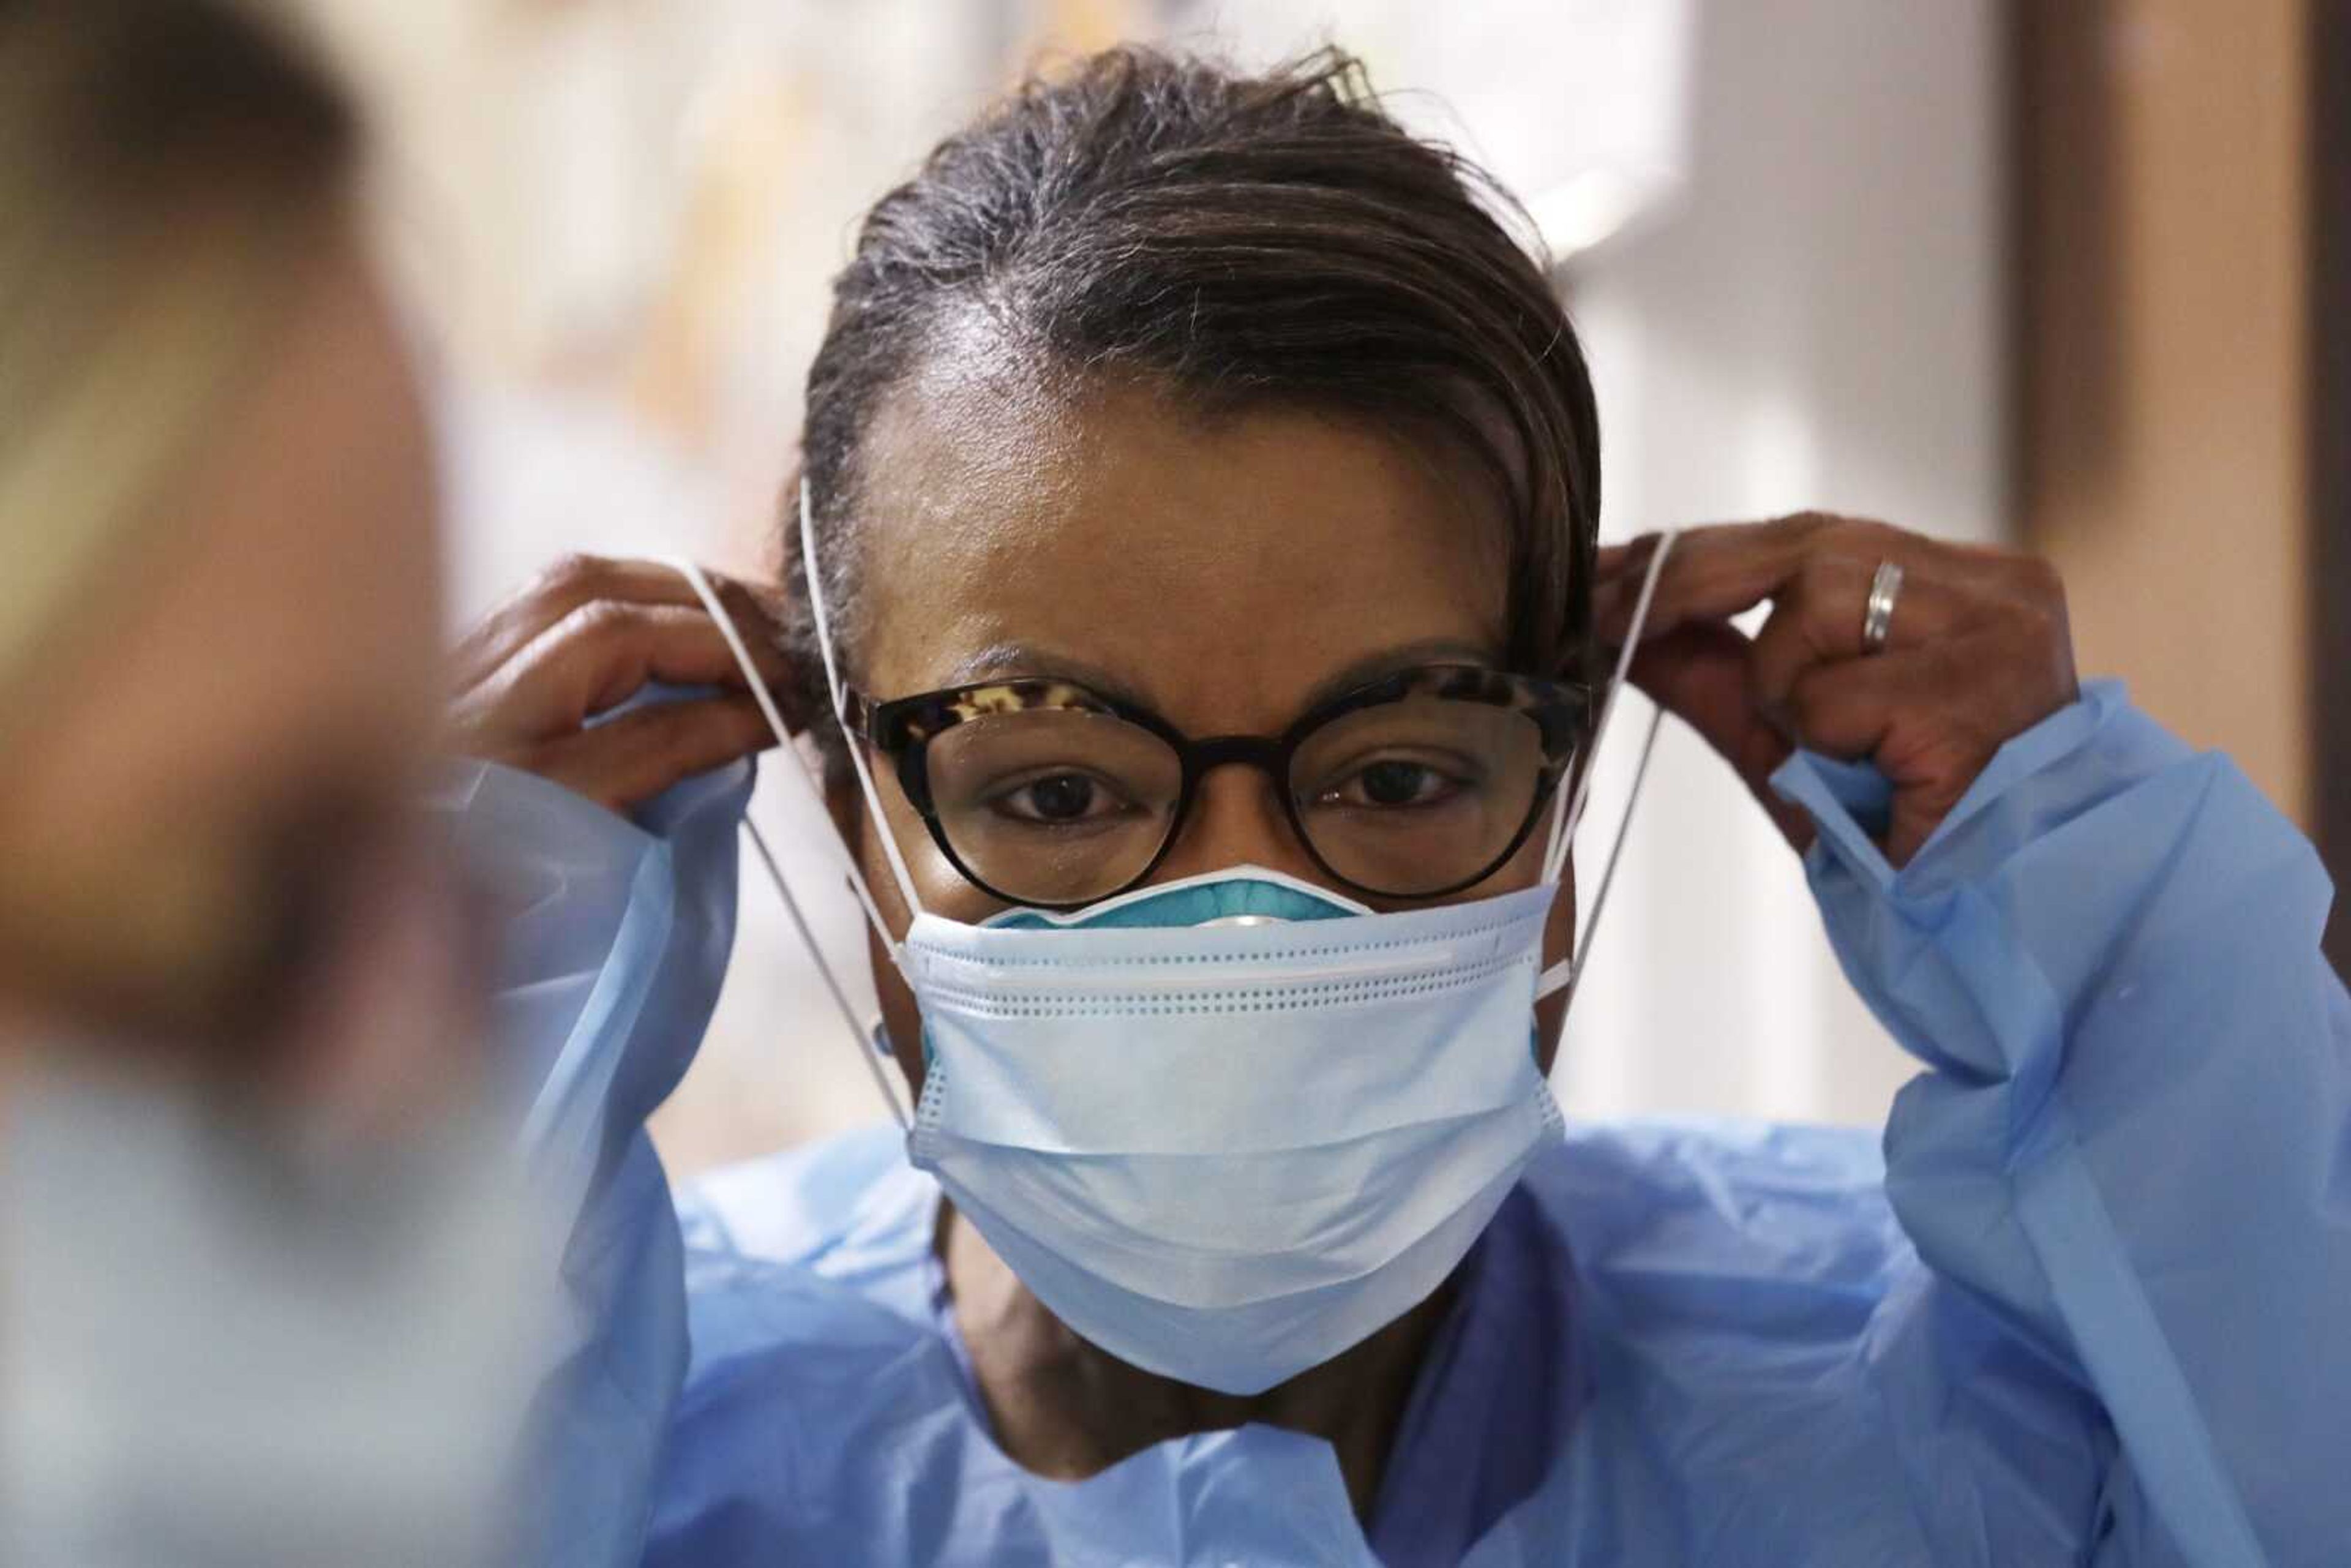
(814, 573)
(1568, 973)
(1551, 856)
(734, 645)
(702, 590)
(1555, 857)
(857, 1034)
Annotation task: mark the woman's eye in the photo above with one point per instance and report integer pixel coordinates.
(1056, 798)
(1394, 782)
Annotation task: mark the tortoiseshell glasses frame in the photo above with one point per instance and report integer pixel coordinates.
(905, 728)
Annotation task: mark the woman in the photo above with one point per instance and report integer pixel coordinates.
(1196, 553)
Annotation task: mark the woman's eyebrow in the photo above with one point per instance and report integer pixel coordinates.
(1000, 661)
(1009, 659)
(1389, 660)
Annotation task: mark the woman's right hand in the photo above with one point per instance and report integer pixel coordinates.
(587, 636)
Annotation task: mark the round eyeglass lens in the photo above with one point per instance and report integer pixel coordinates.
(1053, 805)
(1419, 795)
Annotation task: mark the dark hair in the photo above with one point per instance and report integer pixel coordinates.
(160, 97)
(1241, 240)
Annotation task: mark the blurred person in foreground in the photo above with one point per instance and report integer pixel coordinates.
(255, 1261)
(1194, 594)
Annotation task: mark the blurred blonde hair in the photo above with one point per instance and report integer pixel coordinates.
(162, 163)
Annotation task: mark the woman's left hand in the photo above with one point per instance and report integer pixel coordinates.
(1976, 651)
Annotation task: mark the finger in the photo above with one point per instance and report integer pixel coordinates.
(1722, 570)
(578, 580)
(1626, 559)
(627, 760)
(1844, 710)
(624, 646)
(1818, 619)
(603, 654)
(1715, 570)
(1916, 715)
(1700, 675)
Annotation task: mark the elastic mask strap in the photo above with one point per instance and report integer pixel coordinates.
(1565, 974)
(814, 573)
(767, 709)
(1564, 822)
(858, 1032)
(1568, 972)
(1553, 857)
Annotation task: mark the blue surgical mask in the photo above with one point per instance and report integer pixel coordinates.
(1226, 1152)
(1228, 1127)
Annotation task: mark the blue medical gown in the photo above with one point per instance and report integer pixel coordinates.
(2091, 1304)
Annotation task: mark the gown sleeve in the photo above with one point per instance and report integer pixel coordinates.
(613, 940)
(2132, 1142)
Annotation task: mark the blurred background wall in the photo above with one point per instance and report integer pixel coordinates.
(1998, 272)
(2161, 254)
(2177, 460)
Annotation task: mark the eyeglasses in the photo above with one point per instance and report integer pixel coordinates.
(1045, 793)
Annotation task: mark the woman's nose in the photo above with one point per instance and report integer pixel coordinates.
(1236, 820)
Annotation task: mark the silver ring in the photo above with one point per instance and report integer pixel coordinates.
(1877, 616)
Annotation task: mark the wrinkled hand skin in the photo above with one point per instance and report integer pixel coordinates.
(588, 636)
(1977, 652)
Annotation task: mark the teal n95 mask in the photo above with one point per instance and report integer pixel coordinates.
(1224, 1128)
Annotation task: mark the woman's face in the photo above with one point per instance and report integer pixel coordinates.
(1226, 574)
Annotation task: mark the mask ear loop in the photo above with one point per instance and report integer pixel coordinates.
(1565, 974)
(857, 1031)
(767, 710)
(839, 693)
(1568, 974)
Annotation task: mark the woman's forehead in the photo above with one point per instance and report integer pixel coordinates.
(1219, 569)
